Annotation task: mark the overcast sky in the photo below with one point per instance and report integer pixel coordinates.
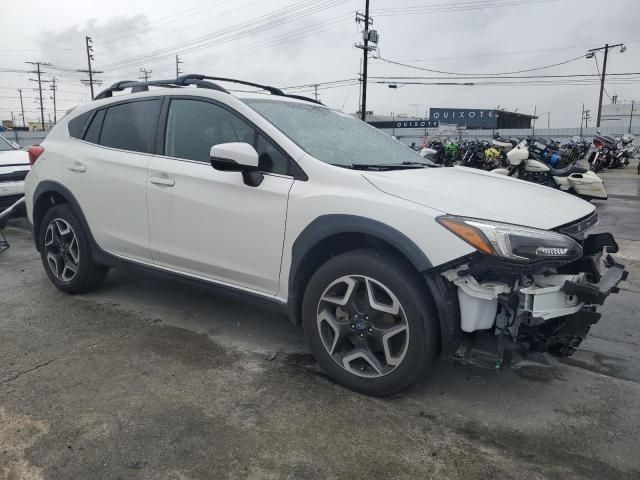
(297, 42)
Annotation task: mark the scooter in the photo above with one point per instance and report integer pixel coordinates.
(572, 179)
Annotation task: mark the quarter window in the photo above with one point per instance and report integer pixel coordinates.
(270, 158)
(77, 124)
(131, 126)
(93, 132)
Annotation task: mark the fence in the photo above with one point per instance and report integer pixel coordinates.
(24, 139)
(418, 135)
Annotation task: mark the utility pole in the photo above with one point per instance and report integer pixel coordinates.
(178, 62)
(53, 87)
(88, 42)
(533, 128)
(581, 119)
(21, 107)
(145, 74)
(591, 54)
(548, 120)
(39, 72)
(367, 36)
(631, 115)
(316, 91)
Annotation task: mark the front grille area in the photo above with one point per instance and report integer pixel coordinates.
(14, 176)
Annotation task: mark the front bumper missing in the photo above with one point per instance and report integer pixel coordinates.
(596, 293)
(549, 311)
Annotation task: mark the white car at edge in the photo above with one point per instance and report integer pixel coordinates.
(386, 260)
(14, 166)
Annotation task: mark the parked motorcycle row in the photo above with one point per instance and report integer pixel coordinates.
(608, 152)
(540, 160)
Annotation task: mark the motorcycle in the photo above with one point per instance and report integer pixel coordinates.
(572, 179)
(600, 155)
(624, 152)
(503, 144)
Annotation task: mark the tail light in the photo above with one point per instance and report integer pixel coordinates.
(34, 153)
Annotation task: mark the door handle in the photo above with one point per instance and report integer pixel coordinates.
(164, 181)
(77, 167)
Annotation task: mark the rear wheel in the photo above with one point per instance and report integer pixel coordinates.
(370, 322)
(65, 252)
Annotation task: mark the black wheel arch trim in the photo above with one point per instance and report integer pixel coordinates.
(100, 256)
(48, 186)
(327, 226)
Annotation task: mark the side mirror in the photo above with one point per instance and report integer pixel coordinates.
(237, 157)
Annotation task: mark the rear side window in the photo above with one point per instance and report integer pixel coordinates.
(76, 125)
(93, 132)
(131, 126)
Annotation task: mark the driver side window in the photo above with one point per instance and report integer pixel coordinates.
(193, 127)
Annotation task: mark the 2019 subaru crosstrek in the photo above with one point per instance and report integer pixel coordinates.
(385, 259)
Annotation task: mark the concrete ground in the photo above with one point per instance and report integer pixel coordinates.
(151, 378)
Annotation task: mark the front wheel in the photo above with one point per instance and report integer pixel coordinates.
(370, 322)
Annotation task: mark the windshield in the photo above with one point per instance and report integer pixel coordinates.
(5, 146)
(334, 137)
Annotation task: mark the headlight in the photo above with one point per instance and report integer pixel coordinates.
(512, 241)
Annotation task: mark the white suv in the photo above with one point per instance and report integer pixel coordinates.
(385, 259)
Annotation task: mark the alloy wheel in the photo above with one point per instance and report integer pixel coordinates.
(363, 326)
(61, 250)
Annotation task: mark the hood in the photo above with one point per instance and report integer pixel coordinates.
(15, 158)
(475, 193)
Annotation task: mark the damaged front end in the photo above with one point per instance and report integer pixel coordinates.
(529, 292)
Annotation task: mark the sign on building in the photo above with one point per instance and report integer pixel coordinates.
(421, 123)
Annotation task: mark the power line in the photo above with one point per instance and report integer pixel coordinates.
(386, 60)
(296, 11)
(599, 74)
(453, 7)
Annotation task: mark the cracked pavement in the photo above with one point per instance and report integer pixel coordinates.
(151, 378)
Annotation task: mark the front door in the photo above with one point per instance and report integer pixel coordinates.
(208, 223)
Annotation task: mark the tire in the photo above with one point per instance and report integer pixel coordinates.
(59, 224)
(411, 351)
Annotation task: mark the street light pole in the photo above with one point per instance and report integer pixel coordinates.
(590, 54)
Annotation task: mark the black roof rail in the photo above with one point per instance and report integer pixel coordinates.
(200, 81)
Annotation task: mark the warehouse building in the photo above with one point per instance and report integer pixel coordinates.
(621, 115)
(475, 118)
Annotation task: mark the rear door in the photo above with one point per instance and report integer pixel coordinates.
(206, 222)
(108, 175)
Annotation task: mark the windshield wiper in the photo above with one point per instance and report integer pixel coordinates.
(425, 164)
(385, 166)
